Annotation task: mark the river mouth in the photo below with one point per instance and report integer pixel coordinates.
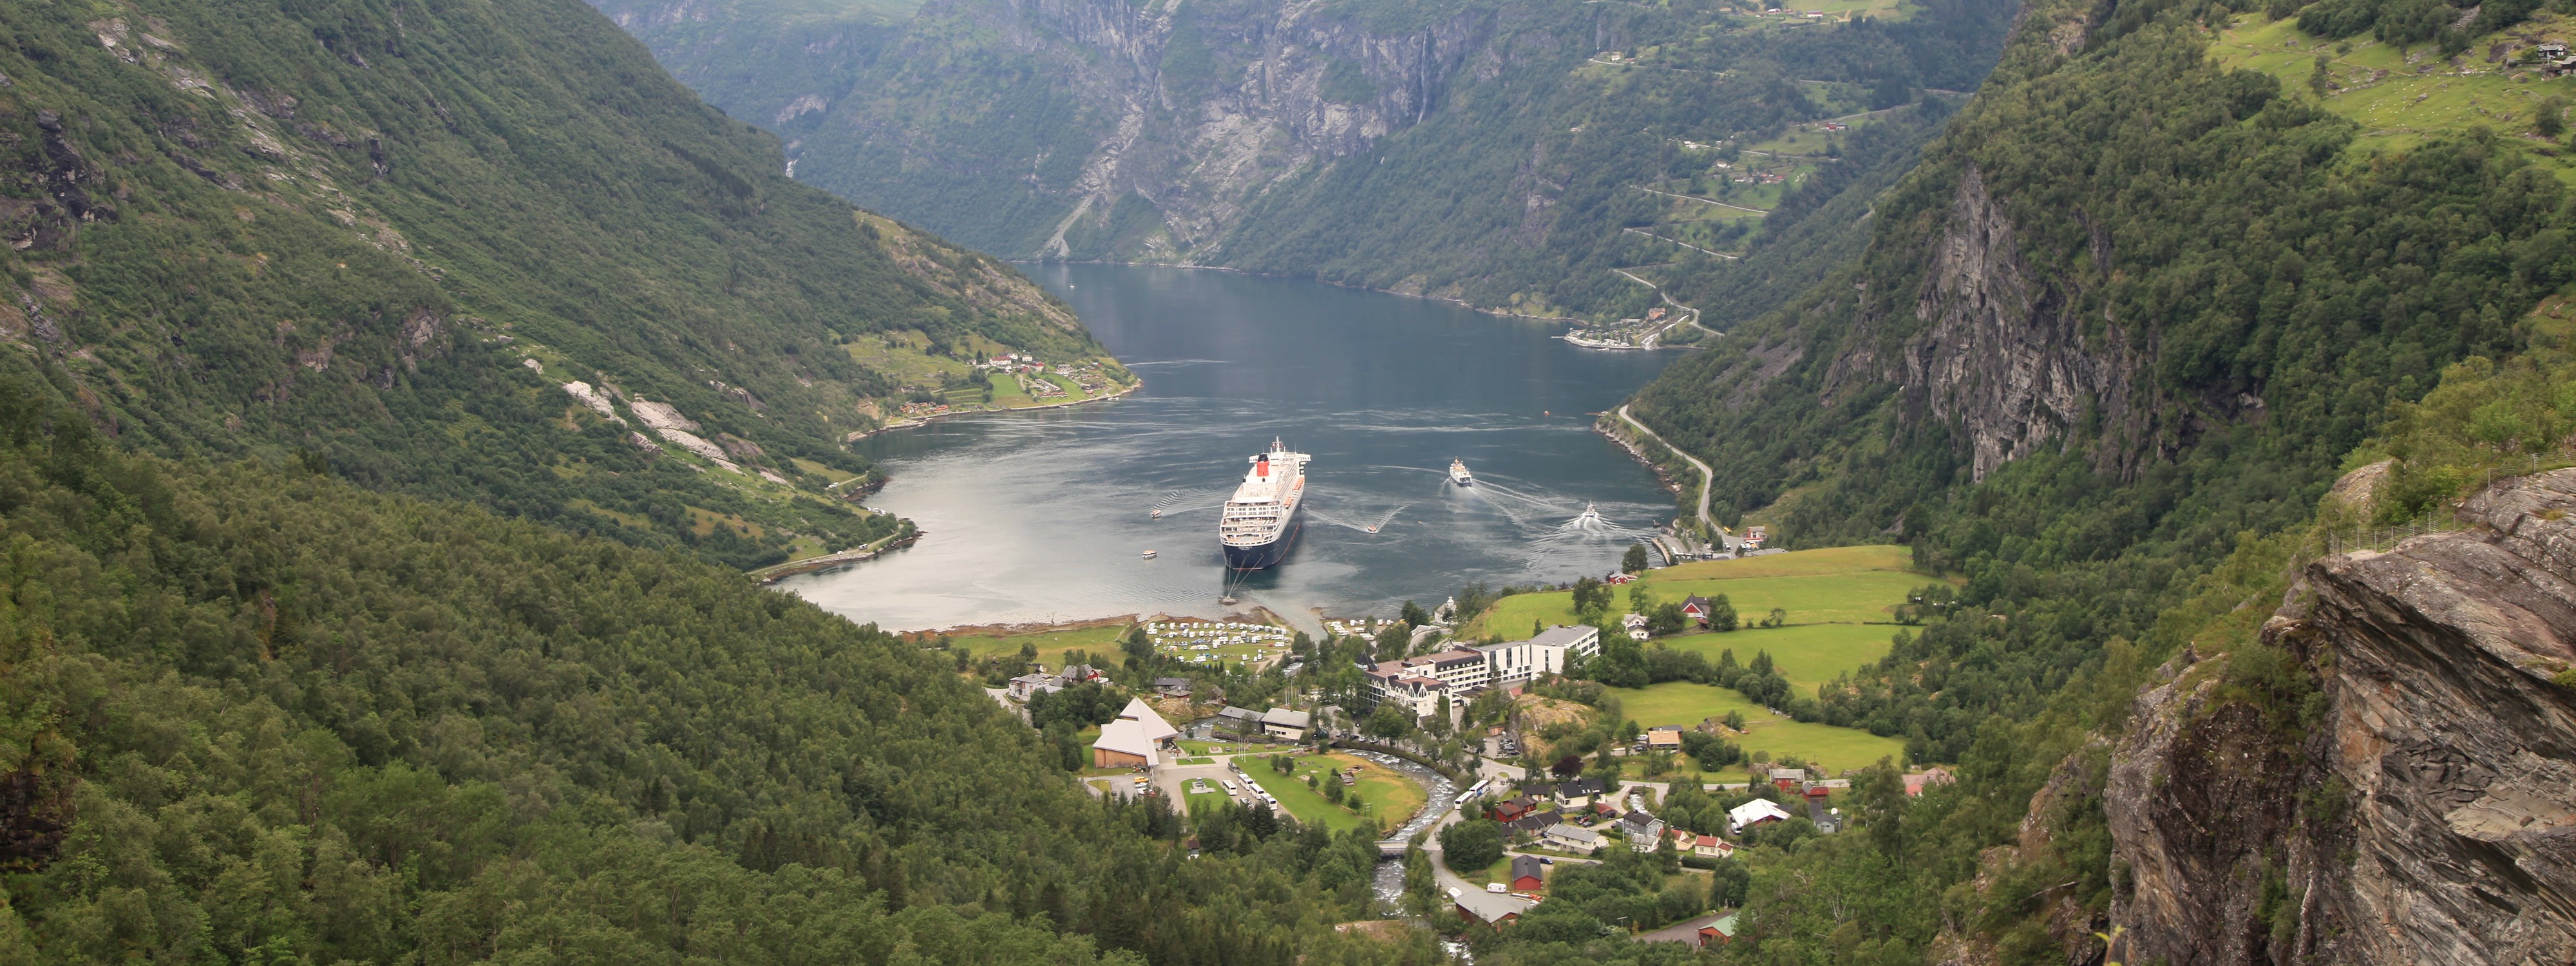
(1045, 516)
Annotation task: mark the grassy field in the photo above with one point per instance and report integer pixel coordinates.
(1806, 654)
(1837, 599)
(1686, 704)
(1834, 585)
(1492, 873)
(1395, 797)
(1683, 703)
(2399, 103)
(1100, 642)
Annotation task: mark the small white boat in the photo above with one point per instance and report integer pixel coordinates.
(1149, 555)
(1589, 516)
(1458, 473)
(1158, 513)
(1372, 529)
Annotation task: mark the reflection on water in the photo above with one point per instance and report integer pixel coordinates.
(1045, 515)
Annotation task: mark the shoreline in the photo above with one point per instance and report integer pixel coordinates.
(927, 420)
(1461, 303)
(1607, 428)
(780, 571)
(1257, 613)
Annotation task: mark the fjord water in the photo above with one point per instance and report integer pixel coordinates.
(1044, 515)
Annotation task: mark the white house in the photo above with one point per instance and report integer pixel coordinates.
(1576, 838)
(1754, 813)
(1283, 723)
(1644, 831)
(1694, 843)
(1026, 685)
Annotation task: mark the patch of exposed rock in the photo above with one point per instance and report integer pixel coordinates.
(2428, 815)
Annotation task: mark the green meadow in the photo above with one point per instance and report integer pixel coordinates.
(1806, 654)
(1840, 605)
(2401, 95)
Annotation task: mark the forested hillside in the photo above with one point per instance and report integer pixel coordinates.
(384, 239)
(1510, 154)
(2106, 350)
(259, 715)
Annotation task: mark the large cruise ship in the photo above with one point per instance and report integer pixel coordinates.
(1260, 521)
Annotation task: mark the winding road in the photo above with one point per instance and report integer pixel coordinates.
(1707, 479)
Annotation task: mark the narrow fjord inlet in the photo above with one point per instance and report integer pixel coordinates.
(1287, 482)
(1043, 516)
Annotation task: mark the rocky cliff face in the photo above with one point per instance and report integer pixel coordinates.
(1166, 118)
(2002, 354)
(2005, 356)
(2428, 812)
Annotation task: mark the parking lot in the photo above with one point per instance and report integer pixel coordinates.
(1174, 780)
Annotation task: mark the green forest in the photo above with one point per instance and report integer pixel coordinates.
(263, 715)
(346, 232)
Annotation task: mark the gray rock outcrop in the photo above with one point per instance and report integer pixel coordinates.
(2426, 814)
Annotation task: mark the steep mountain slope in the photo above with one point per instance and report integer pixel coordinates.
(262, 716)
(1488, 151)
(388, 238)
(2107, 350)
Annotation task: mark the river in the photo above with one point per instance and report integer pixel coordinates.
(1043, 515)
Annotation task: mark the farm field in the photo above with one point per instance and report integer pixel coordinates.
(1848, 585)
(1101, 643)
(1806, 654)
(1683, 703)
(1826, 599)
(1686, 704)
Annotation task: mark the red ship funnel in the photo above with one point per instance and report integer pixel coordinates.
(1262, 468)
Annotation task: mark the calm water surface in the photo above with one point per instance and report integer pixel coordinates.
(1043, 515)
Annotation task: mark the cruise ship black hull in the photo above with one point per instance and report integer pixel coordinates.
(1269, 554)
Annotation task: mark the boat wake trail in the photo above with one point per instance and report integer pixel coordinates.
(1370, 526)
(1518, 518)
(1179, 501)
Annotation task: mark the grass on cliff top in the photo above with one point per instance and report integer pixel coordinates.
(2402, 95)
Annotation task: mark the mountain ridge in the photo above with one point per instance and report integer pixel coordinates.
(323, 232)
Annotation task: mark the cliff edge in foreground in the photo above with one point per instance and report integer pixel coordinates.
(2418, 807)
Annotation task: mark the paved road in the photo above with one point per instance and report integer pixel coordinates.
(1685, 931)
(1708, 479)
(1684, 244)
(1686, 316)
(1704, 201)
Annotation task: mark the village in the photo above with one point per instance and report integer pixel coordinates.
(1458, 727)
